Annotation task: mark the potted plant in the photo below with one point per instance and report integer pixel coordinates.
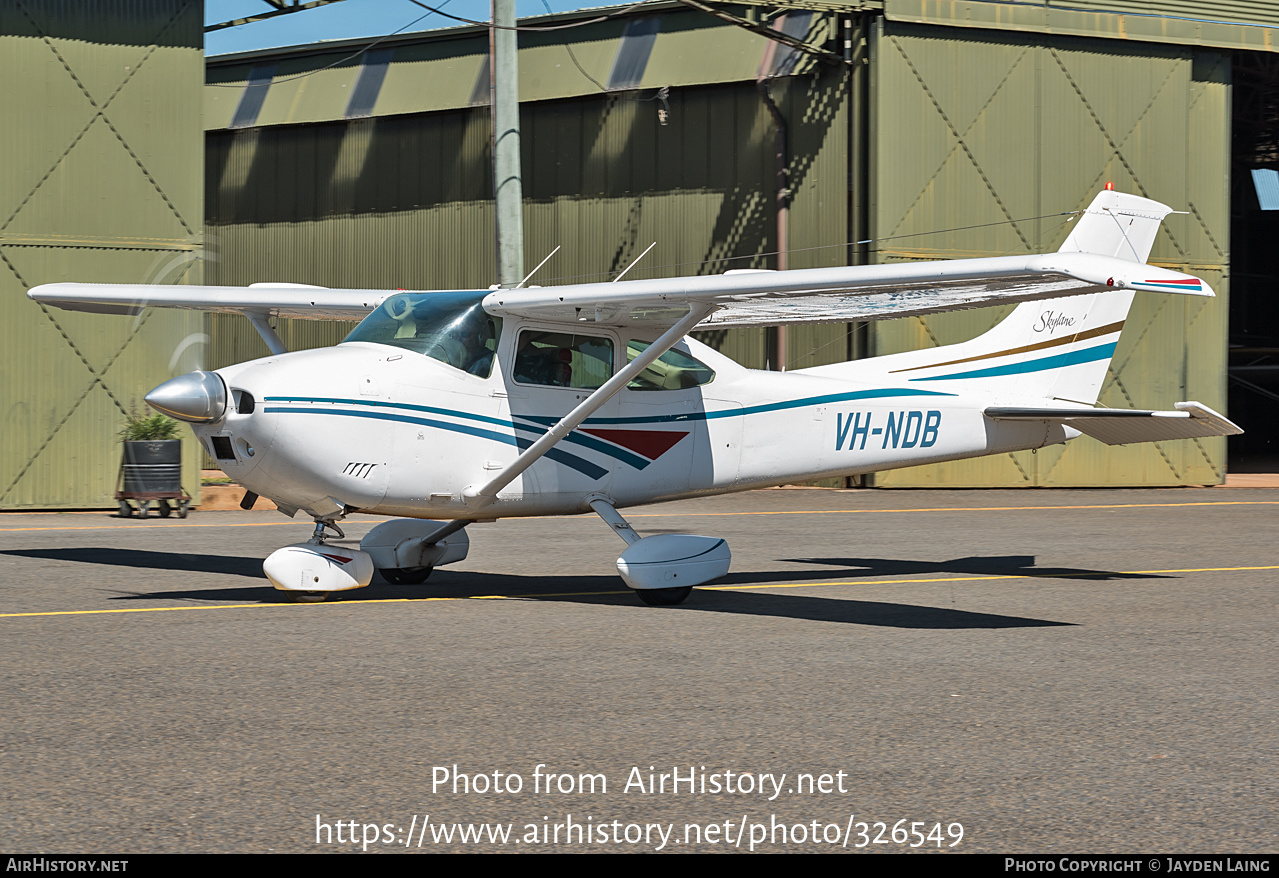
(151, 468)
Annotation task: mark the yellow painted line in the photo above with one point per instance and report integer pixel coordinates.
(139, 525)
(1097, 574)
(487, 597)
(956, 509)
(517, 597)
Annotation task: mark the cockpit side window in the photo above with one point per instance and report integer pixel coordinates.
(560, 359)
(450, 327)
(673, 370)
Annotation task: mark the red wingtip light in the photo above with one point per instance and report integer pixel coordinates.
(1110, 281)
(1110, 187)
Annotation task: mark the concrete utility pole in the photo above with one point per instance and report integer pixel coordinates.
(781, 142)
(508, 186)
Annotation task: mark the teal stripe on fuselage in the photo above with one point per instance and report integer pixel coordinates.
(470, 416)
(536, 421)
(572, 461)
(1087, 355)
(756, 409)
(590, 442)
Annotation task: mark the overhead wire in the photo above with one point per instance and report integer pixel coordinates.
(437, 10)
(538, 29)
(340, 60)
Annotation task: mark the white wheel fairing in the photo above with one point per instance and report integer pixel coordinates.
(672, 561)
(306, 567)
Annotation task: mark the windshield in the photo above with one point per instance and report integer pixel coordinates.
(450, 327)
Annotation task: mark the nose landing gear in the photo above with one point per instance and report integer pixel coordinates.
(313, 572)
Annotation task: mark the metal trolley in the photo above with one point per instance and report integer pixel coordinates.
(151, 470)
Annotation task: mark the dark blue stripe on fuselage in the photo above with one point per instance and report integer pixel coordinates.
(571, 461)
(590, 442)
(580, 464)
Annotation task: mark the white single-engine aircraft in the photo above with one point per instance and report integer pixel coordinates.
(447, 408)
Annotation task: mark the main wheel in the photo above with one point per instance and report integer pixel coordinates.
(162, 506)
(144, 506)
(307, 597)
(664, 597)
(406, 575)
(126, 511)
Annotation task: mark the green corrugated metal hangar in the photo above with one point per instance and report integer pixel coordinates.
(913, 129)
(102, 150)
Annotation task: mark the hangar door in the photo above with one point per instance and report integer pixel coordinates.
(981, 142)
(102, 144)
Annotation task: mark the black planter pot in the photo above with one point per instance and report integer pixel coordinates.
(153, 467)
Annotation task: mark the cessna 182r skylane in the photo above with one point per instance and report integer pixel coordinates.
(447, 408)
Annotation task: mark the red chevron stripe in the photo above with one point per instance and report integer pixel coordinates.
(649, 443)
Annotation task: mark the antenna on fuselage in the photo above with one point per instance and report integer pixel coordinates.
(637, 259)
(539, 265)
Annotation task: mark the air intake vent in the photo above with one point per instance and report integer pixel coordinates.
(359, 470)
(222, 449)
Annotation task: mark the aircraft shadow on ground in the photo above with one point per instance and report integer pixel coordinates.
(179, 562)
(608, 589)
(992, 565)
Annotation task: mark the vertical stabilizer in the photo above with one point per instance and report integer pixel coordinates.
(1117, 224)
(1054, 349)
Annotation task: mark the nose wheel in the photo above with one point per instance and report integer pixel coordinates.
(314, 572)
(406, 576)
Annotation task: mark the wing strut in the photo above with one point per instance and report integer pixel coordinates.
(487, 493)
(274, 343)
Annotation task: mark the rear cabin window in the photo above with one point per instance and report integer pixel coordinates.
(559, 359)
(673, 370)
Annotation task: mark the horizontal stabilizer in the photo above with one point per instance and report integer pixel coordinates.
(1191, 420)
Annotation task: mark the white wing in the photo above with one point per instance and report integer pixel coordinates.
(766, 298)
(280, 300)
(819, 295)
(1120, 225)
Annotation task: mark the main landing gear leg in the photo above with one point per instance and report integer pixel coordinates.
(654, 597)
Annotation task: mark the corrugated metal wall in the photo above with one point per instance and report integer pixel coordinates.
(1248, 11)
(690, 48)
(982, 128)
(1220, 24)
(102, 143)
(404, 201)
